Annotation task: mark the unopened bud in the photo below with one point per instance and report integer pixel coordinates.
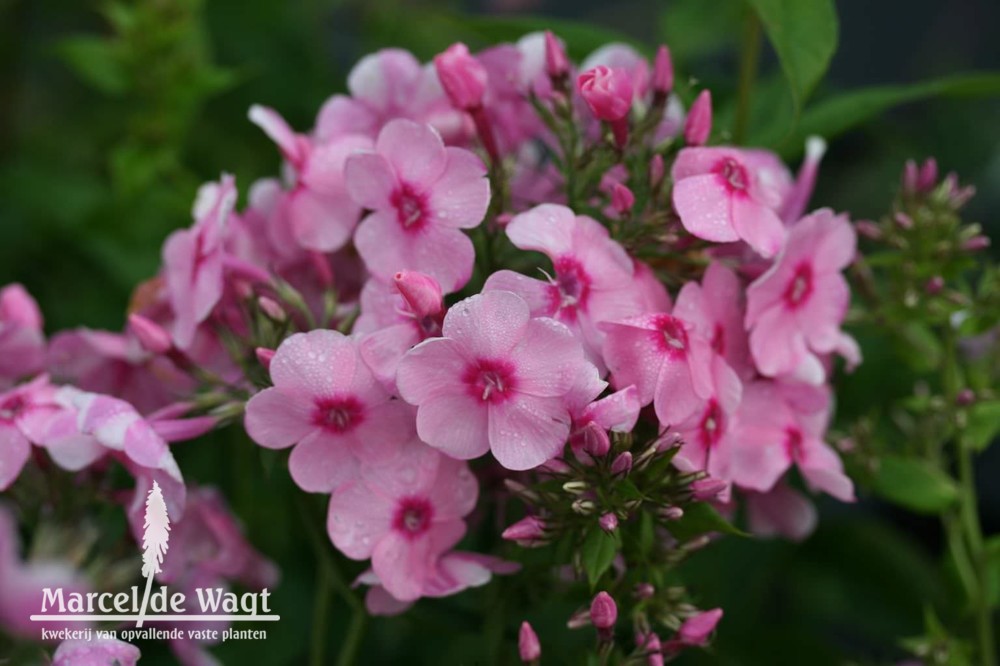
(934, 285)
(696, 629)
(671, 512)
(556, 61)
(904, 221)
(595, 440)
(603, 611)
(584, 507)
(868, 229)
(965, 397)
(663, 72)
(976, 243)
(150, 335)
(272, 309)
(698, 125)
(643, 591)
(462, 77)
(528, 647)
(530, 529)
(622, 464)
(264, 356)
(574, 487)
(708, 489)
(622, 199)
(608, 522)
(421, 292)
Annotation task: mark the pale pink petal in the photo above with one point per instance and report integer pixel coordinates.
(341, 115)
(536, 293)
(460, 197)
(403, 564)
(835, 240)
(527, 431)
(447, 255)
(703, 205)
(758, 225)
(416, 152)
(488, 325)
(14, 453)
(633, 355)
(278, 420)
(548, 359)
(463, 438)
(824, 471)
(95, 652)
(316, 363)
(455, 491)
(323, 223)
(675, 398)
(382, 350)
(321, 463)
(781, 512)
(382, 604)
(758, 458)
(385, 428)
(618, 412)
(278, 130)
(820, 316)
(776, 344)
(431, 369)
(380, 77)
(370, 180)
(358, 519)
(546, 228)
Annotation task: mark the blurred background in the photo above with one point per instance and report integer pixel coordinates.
(112, 113)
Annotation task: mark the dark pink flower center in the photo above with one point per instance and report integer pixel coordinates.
(411, 208)
(570, 288)
(719, 339)
(733, 174)
(11, 408)
(800, 287)
(793, 443)
(338, 415)
(711, 425)
(673, 337)
(489, 380)
(413, 516)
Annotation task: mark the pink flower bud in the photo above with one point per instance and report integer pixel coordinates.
(644, 591)
(928, 175)
(663, 71)
(272, 309)
(911, 176)
(934, 285)
(608, 522)
(607, 91)
(698, 125)
(462, 77)
(595, 440)
(672, 513)
(903, 220)
(150, 335)
(622, 464)
(656, 170)
(556, 62)
(868, 229)
(18, 307)
(650, 644)
(603, 611)
(697, 628)
(529, 530)
(707, 489)
(422, 293)
(976, 243)
(622, 198)
(264, 356)
(965, 397)
(527, 642)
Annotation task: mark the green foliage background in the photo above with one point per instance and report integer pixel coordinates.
(111, 114)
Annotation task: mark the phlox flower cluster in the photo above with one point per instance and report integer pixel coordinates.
(495, 265)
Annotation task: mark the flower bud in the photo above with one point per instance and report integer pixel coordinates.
(584, 507)
(698, 125)
(663, 72)
(607, 91)
(575, 487)
(868, 229)
(608, 522)
(643, 591)
(697, 628)
(529, 530)
(708, 489)
(18, 307)
(651, 646)
(976, 243)
(928, 175)
(934, 285)
(272, 309)
(595, 440)
(527, 642)
(911, 176)
(264, 356)
(622, 199)
(622, 464)
(904, 221)
(422, 293)
(671, 513)
(150, 335)
(556, 61)
(965, 397)
(603, 611)
(462, 77)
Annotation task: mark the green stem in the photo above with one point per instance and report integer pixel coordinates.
(749, 60)
(352, 641)
(317, 656)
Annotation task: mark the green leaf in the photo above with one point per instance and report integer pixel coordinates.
(598, 551)
(701, 518)
(96, 61)
(915, 484)
(695, 28)
(804, 35)
(983, 424)
(836, 115)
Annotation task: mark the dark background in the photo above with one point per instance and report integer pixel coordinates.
(112, 114)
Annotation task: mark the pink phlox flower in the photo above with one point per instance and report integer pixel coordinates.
(193, 259)
(716, 309)
(421, 195)
(795, 309)
(729, 194)
(505, 373)
(24, 410)
(779, 425)
(22, 341)
(386, 85)
(617, 412)
(454, 572)
(403, 514)
(328, 404)
(96, 652)
(669, 363)
(319, 211)
(391, 326)
(593, 277)
(652, 294)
